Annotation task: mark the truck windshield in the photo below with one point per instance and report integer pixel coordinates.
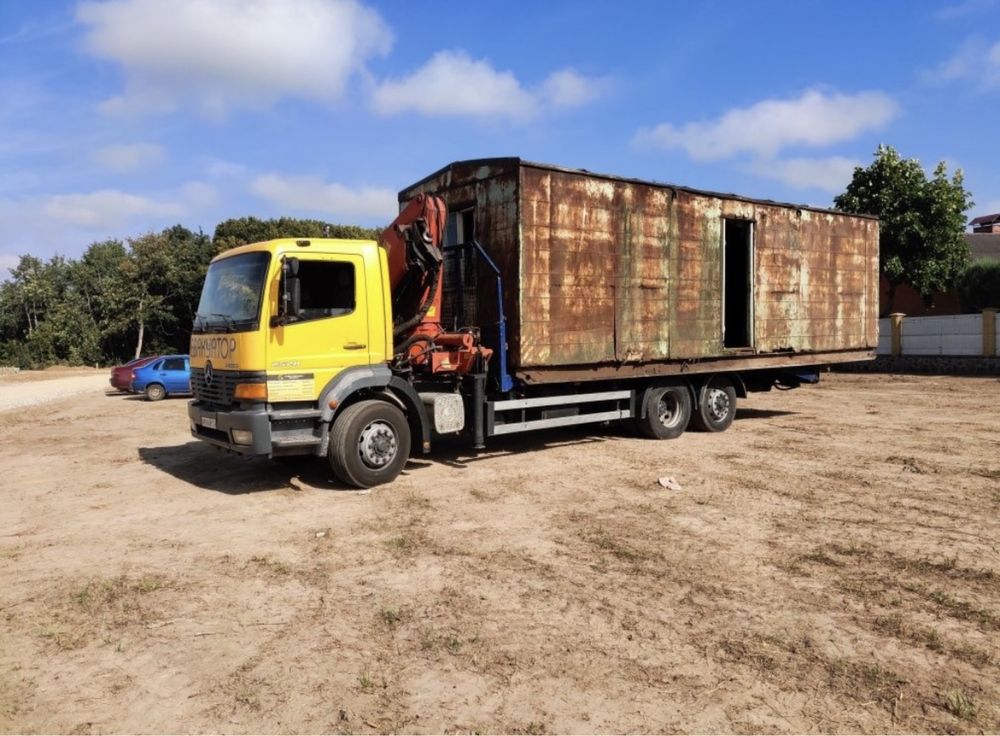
(231, 296)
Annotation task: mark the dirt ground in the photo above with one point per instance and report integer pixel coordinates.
(28, 388)
(830, 564)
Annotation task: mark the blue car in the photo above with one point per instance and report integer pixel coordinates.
(170, 374)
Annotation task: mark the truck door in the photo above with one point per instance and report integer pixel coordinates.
(331, 333)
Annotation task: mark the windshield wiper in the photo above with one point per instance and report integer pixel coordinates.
(199, 323)
(230, 322)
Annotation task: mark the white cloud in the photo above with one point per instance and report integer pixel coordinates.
(964, 9)
(452, 83)
(975, 60)
(829, 174)
(310, 193)
(568, 88)
(813, 119)
(106, 208)
(128, 157)
(231, 53)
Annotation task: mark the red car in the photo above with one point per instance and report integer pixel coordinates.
(121, 375)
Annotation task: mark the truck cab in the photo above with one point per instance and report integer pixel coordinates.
(277, 325)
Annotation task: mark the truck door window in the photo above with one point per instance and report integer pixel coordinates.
(328, 289)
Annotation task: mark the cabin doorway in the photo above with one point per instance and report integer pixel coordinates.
(737, 284)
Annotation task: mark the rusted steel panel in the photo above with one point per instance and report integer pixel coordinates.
(567, 312)
(603, 271)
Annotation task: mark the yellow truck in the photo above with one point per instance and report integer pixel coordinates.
(509, 296)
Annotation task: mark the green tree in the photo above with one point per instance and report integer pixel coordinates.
(922, 220)
(164, 272)
(242, 230)
(43, 307)
(978, 286)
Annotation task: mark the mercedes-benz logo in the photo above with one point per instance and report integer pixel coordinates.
(209, 374)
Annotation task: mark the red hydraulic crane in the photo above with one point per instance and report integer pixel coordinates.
(413, 244)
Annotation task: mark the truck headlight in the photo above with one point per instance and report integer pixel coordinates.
(242, 436)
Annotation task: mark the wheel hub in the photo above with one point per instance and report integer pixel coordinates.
(377, 444)
(667, 410)
(717, 403)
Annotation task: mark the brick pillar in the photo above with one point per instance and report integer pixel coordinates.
(990, 331)
(896, 323)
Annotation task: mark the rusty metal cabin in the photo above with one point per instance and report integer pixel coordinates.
(607, 277)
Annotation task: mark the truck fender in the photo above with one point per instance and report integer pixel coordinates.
(737, 380)
(373, 378)
(420, 425)
(349, 381)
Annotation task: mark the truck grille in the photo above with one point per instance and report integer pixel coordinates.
(220, 392)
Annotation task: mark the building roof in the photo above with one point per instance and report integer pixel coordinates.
(986, 219)
(983, 246)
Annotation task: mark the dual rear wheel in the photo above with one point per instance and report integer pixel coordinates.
(670, 409)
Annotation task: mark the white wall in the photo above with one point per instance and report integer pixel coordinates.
(961, 334)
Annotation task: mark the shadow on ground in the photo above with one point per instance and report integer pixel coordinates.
(205, 467)
(761, 413)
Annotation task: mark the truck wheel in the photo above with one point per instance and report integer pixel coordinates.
(369, 444)
(668, 410)
(155, 392)
(716, 406)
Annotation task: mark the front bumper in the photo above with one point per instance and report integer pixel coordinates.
(255, 421)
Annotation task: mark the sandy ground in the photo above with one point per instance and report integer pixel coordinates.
(831, 563)
(28, 388)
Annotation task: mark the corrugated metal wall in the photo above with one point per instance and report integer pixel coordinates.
(623, 271)
(603, 270)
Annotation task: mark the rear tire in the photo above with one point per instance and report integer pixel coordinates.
(155, 392)
(369, 444)
(716, 406)
(667, 412)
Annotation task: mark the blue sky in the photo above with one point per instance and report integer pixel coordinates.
(120, 117)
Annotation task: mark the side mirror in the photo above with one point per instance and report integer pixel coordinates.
(290, 304)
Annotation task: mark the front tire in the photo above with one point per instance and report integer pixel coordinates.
(716, 406)
(155, 392)
(667, 412)
(369, 444)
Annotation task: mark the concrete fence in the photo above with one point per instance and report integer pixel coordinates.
(959, 335)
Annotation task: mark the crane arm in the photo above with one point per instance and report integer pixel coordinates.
(414, 238)
(413, 244)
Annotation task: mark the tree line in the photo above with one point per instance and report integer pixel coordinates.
(121, 299)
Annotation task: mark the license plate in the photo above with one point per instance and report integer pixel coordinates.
(208, 422)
